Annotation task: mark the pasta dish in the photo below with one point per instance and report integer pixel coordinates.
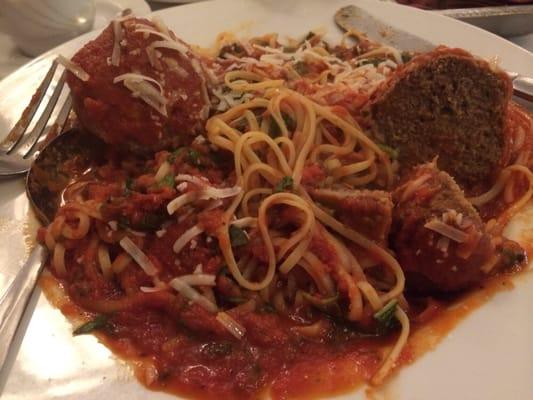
(278, 215)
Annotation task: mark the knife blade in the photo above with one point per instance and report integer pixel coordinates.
(355, 18)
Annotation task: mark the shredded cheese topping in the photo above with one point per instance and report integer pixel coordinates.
(74, 68)
(199, 279)
(188, 292)
(446, 230)
(137, 254)
(187, 236)
(140, 87)
(117, 33)
(234, 327)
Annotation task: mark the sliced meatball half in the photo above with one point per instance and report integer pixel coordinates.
(368, 212)
(449, 104)
(439, 238)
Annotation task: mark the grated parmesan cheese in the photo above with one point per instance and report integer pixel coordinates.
(137, 254)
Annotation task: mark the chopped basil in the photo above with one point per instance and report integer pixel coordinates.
(328, 305)
(236, 300)
(128, 184)
(302, 68)
(391, 152)
(266, 308)
(174, 155)
(217, 349)
(167, 181)
(123, 222)
(275, 130)
(194, 157)
(97, 323)
(285, 183)
(289, 122)
(318, 301)
(241, 125)
(237, 236)
(385, 317)
(150, 222)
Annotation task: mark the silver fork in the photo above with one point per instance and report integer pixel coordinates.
(19, 148)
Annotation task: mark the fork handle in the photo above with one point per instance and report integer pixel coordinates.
(14, 301)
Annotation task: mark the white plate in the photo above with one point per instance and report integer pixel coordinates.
(107, 9)
(176, 1)
(488, 357)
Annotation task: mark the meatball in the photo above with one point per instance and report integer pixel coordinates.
(446, 103)
(439, 239)
(163, 101)
(369, 212)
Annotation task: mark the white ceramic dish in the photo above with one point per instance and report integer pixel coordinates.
(489, 356)
(107, 9)
(176, 1)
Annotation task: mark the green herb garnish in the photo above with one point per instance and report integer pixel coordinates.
(167, 181)
(123, 222)
(289, 122)
(237, 236)
(151, 222)
(241, 125)
(301, 67)
(217, 349)
(174, 155)
(236, 300)
(391, 152)
(385, 317)
(275, 129)
(285, 183)
(128, 185)
(97, 323)
(266, 308)
(194, 157)
(329, 305)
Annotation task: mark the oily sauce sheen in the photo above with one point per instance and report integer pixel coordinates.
(187, 363)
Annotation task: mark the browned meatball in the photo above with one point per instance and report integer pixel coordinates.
(446, 103)
(439, 238)
(137, 112)
(367, 211)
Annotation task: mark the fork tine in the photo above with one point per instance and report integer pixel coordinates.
(59, 124)
(14, 136)
(30, 139)
(63, 114)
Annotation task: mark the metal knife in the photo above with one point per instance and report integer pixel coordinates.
(355, 18)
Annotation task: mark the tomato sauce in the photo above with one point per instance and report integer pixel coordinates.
(166, 357)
